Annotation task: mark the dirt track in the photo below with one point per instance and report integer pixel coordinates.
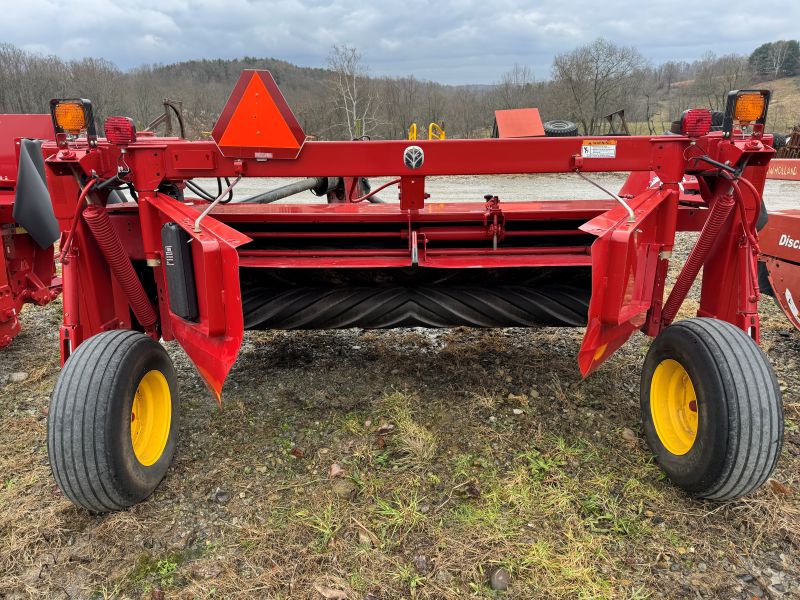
(499, 455)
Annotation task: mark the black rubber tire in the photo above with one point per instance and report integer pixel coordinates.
(560, 128)
(779, 141)
(89, 424)
(764, 286)
(740, 412)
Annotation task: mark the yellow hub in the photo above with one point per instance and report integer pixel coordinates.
(151, 416)
(673, 406)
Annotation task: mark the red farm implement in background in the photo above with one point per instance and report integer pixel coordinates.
(27, 225)
(780, 256)
(786, 164)
(787, 169)
(177, 262)
(780, 236)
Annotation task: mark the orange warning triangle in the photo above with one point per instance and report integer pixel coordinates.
(257, 122)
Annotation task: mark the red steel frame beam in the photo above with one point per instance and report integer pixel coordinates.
(153, 160)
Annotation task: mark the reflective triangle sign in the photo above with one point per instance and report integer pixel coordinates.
(256, 121)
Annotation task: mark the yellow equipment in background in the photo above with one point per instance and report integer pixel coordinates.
(435, 132)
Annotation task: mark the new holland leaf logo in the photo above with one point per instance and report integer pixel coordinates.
(413, 157)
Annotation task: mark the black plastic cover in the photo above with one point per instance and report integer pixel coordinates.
(180, 271)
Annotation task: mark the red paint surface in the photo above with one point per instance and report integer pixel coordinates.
(519, 123)
(780, 250)
(27, 273)
(784, 168)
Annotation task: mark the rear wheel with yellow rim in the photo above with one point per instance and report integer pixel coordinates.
(711, 409)
(113, 421)
(673, 407)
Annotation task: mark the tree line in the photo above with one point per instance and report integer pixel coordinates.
(343, 101)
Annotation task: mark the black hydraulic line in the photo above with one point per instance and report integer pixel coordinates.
(205, 195)
(285, 191)
(717, 164)
(199, 191)
(228, 185)
(180, 120)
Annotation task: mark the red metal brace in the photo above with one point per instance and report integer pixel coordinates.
(493, 220)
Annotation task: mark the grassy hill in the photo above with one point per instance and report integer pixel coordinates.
(784, 107)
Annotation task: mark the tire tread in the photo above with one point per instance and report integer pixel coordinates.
(755, 412)
(79, 408)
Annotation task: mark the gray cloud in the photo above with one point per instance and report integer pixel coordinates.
(467, 41)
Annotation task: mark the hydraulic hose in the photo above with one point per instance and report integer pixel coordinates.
(713, 225)
(370, 196)
(117, 258)
(67, 245)
(285, 191)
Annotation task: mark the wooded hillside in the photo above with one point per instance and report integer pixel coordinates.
(584, 85)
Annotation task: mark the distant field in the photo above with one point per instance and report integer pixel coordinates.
(784, 108)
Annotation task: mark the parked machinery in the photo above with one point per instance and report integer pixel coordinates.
(180, 265)
(28, 227)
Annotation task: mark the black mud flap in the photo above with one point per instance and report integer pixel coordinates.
(33, 209)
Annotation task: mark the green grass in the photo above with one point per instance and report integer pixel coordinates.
(556, 495)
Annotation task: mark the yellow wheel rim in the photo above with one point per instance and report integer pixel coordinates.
(151, 417)
(673, 406)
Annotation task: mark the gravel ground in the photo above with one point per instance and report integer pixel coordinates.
(401, 464)
(548, 186)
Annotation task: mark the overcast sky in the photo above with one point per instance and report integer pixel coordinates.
(466, 41)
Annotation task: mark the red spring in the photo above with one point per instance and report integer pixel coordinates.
(97, 219)
(716, 220)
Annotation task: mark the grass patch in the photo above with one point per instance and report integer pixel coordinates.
(399, 515)
(414, 444)
(325, 522)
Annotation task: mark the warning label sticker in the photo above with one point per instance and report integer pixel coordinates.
(599, 149)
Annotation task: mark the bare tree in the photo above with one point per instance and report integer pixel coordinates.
(596, 79)
(143, 98)
(355, 98)
(434, 103)
(669, 72)
(400, 104)
(777, 56)
(715, 76)
(466, 117)
(102, 82)
(515, 88)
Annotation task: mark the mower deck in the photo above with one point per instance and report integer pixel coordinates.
(180, 264)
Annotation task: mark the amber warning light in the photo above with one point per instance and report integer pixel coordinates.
(70, 116)
(745, 108)
(256, 121)
(73, 117)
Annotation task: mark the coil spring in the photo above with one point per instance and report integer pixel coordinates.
(719, 214)
(117, 258)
